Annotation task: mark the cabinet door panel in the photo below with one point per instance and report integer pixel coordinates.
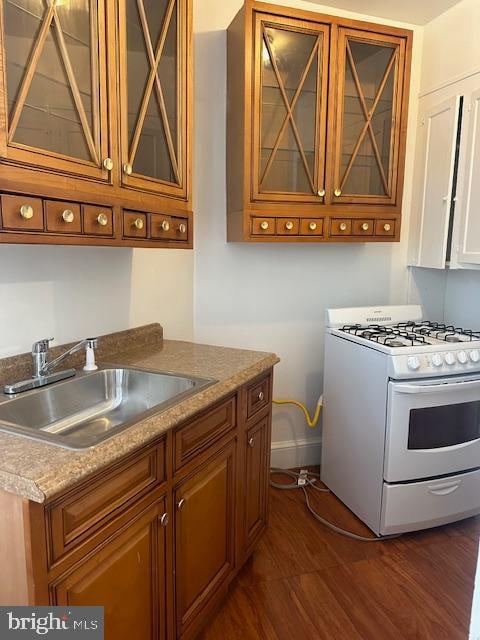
(436, 158)
(470, 194)
(204, 534)
(153, 48)
(290, 83)
(256, 478)
(56, 101)
(127, 577)
(368, 122)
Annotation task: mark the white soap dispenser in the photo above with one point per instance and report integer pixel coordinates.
(90, 356)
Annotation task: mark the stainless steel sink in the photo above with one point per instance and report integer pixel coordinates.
(85, 410)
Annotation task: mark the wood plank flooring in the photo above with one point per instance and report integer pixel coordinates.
(305, 582)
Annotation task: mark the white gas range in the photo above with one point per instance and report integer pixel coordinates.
(401, 422)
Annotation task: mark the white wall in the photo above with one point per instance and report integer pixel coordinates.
(266, 296)
(74, 292)
(452, 53)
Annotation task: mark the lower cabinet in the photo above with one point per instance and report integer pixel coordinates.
(127, 576)
(204, 535)
(158, 536)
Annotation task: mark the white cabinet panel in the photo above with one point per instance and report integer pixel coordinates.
(469, 196)
(437, 148)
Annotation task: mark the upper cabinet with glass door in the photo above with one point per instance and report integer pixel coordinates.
(317, 112)
(55, 102)
(154, 96)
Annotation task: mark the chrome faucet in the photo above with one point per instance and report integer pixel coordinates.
(43, 368)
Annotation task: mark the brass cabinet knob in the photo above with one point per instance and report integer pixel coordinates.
(182, 228)
(26, 211)
(264, 225)
(387, 227)
(138, 223)
(289, 225)
(165, 225)
(251, 442)
(164, 520)
(321, 193)
(337, 193)
(312, 226)
(102, 219)
(365, 226)
(68, 216)
(261, 396)
(181, 504)
(343, 226)
(128, 169)
(108, 164)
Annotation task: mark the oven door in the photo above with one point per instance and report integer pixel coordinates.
(433, 428)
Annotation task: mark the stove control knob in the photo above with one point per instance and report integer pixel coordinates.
(474, 355)
(462, 357)
(437, 360)
(450, 358)
(413, 363)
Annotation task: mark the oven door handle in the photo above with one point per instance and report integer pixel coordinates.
(435, 388)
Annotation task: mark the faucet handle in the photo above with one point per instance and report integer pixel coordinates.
(41, 346)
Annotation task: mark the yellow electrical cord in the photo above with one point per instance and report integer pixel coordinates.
(312, 422)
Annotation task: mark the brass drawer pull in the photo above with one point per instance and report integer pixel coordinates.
(127, 169)
(264, 225)
(312, 226)
(68, 216)
(321, 193)
(138, 223)
(289, 225)
(108, 164)
(337, 193)
(365, 226)
(343, 226)
(102, 219)
(182, 228)
(387, 227)
(181, 504)
(251, 442)
(26, 211)
(261, 396)
(165, 225)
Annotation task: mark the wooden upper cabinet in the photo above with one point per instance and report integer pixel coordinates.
(153, 95)
(368, 117)
(316, 125)
(290, 109)
(55, 100)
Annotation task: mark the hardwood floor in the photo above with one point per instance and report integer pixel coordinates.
(306, 582)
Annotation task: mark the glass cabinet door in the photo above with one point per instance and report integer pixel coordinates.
(55, 106)
(289, 119)
(370, 84)
(153, 47)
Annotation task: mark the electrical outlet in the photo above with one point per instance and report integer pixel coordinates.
(302, 478)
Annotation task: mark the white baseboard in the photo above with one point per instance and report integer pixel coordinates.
(288, 454)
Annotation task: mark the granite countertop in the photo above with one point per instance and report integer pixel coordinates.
(39, 471)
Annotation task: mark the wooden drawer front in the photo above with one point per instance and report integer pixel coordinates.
(161, 227)
(14, 206)
(258, 396)
(384, 227)
(362, 227)
(180, 228)
(340, 227)
(263, 226)
(196, 436)
(97, 221)
(84, 511)
(63, 217)
(134, 224)
(287, 226)
(311, 227)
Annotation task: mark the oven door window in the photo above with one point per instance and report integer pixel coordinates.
(444, 426)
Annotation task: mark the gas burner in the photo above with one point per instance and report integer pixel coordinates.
(442, 332)
(400, 335)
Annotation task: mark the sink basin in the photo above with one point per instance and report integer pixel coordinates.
(85, 410)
